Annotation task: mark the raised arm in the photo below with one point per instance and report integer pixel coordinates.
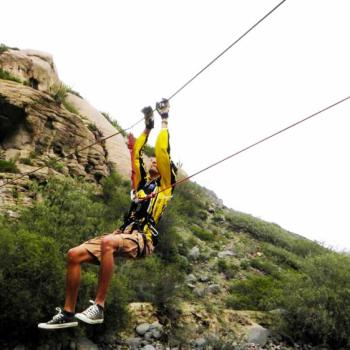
(139, 174)
(162, 151)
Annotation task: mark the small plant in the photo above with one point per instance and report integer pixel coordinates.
(8, 76)
(27, 161)
(3, 48)
(8, 166)
(70, 90)
(69, 107)
(59, 92)
(92, 127)
(55, 164)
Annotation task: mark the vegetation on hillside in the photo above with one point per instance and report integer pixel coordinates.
(266, 264)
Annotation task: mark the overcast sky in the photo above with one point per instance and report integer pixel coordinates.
(123, 55)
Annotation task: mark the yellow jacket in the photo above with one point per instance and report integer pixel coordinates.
(147, 212)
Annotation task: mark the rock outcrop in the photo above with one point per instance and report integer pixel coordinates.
(36, 131)
(35, 68)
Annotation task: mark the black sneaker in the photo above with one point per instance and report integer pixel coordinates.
(61, 320)
(92, 315)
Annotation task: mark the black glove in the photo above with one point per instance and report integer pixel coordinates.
(148, 113)
(163, 108)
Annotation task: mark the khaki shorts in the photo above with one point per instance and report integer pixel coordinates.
(132, 245)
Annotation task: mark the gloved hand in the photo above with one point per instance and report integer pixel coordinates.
(163, 108)
(149, 120)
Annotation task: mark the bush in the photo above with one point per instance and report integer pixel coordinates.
(202, 234)
(32, 281)
(282, 256)
(3, 48)
(318, 310)
(68, 212)
(266, 266)
(255, 293)
(229, 269)
(188, 202)
(154, 281)
(59, 92)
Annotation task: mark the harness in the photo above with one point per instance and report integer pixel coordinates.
(140, 213)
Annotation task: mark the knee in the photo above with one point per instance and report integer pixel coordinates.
(73, 255)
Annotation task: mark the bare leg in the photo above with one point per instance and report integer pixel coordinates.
(75, 257)
(109, 245)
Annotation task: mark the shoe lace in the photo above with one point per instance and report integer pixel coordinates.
(93, 310)
(59, 315)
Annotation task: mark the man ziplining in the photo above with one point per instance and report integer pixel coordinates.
(152, 189)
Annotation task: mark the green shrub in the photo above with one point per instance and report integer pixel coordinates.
(202, 234)
(68, 212)
(59, 92)
(188, 202)
(32, 281)
(229, 269)
(281, 256)
(255, 293)
(8, 76)
(3, 48)
(8, 166)
(318, 309)
(154, 281)
(266, 266)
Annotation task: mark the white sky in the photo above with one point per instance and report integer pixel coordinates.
(123, 55)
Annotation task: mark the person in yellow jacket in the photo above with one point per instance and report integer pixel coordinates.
(152, 189)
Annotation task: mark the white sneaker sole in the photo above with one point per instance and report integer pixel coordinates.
(57, 326)
(82, 317)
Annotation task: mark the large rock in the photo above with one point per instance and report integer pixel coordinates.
(36, 68)
(258, 335)
(118, 153)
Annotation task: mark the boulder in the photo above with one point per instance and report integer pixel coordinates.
(257, 334)
(143, 328)
(226, 253)
(194, 253)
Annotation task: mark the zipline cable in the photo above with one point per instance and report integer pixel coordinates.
(258, 142)
(228, 48)
(173, 95)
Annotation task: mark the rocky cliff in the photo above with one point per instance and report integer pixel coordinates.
(38, 130)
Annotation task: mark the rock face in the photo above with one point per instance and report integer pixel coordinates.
(36, 68)
(118, 154)
(36, 131)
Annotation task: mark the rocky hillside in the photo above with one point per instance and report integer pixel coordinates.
(220, 279)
